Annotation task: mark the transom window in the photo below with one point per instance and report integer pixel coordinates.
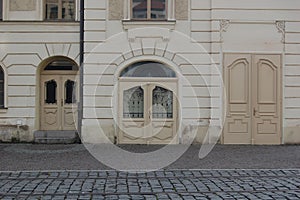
(148, 69)
(149, 9)
(2, 95)
(61, 65)
(60, 10)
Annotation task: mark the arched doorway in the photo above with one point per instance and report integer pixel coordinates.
(59, 95)
(147, 104)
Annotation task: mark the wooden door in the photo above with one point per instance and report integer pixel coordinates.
(163, 114)
(253, 94)
(266, 98)
(147, 113)
(237, 77)
(69, 102)
(58, 102)
(50, 103)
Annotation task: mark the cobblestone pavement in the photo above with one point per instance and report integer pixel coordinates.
(169, 184)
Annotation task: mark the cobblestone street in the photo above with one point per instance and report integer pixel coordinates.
(169, 184)
(29, 171)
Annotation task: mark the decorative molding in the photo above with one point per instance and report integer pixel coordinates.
(224, 24)
(22, 5)
(181, 9)
(280, 25)
(128, 24)
(116, 9)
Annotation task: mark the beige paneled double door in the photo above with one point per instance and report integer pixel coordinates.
(253, 99)
(59, 95)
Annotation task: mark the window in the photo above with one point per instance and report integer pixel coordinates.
(148, 69)
(62, 64)
(60, 10)
(51, 92)
(1, 10)
(133, 104)
(162, 103)
(149, 9)
(2, 86)
(70, 88)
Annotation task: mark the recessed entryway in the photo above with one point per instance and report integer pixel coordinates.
(59, 96)
(253, 106)
(147, 104)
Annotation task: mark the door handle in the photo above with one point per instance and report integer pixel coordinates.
(61, 102)
(254, 112)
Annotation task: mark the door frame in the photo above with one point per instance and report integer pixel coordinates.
(280, 86)
(148, 80)
(40, 72)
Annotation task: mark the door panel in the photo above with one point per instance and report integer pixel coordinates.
(146, 113)
(163, 109)
(266, 99)
(69, 102)
(253, 92)
(50, 119)
(132, 123)
(237, 129)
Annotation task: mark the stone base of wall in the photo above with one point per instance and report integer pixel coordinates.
(56, 137)
(201, 135)
(93, 134)
(292, 135)
(14, 133)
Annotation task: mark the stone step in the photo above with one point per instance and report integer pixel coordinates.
(56, 137)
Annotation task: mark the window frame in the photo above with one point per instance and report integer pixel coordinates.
(1, 10)
(59, 14)
(128, 22)
(4, 107)
(149, 3)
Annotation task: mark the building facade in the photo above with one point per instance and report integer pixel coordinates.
(150, 71)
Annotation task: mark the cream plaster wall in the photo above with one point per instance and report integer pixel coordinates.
(195, 43)
(23, 48)
(217, 26)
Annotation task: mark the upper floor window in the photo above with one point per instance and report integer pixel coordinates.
(60, 10)
(1, 10)
(2, 86)
(149, 9)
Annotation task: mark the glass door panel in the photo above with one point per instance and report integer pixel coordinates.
(133, 103)
(70, 92)
(50, 87)
(162, 103)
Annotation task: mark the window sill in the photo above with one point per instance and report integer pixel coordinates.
(131, 24)
(3, 110)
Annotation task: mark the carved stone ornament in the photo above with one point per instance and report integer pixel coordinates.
(224, 24)
(280, 25)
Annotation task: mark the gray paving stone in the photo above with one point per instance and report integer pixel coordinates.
(178, 184)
